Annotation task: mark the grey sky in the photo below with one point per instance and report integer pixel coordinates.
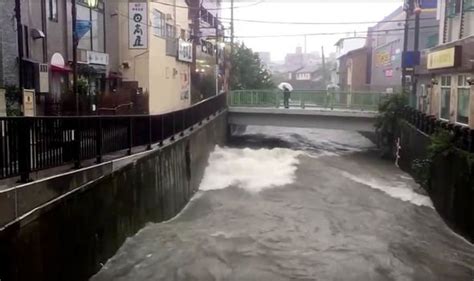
(304, 11)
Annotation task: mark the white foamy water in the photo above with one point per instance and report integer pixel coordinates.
(250, 169)
(315, 142)
(398, 190)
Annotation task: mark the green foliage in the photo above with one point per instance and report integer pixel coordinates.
(13, 100)
(386, 123)
(441, 141)
(248, 71)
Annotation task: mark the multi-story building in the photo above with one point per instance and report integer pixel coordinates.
(343, 46)
(386, 40)
(446, 71)
(45, 40)
(354, 70)
(155, 52)
(208, 69)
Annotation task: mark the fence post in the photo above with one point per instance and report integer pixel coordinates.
(24, 161)
(149, 133)
(98, 141)
(130, 135)
(183, 119)
(77, 144)
(174, 125)
(162, 130)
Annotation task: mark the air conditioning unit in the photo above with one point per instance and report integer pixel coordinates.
(43, 78)
(169, 17)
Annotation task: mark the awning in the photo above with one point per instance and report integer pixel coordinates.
(57, 68)
(57, 64)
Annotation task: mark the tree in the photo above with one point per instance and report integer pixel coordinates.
(248, 71)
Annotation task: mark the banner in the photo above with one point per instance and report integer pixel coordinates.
(138, 25)
(82, 27)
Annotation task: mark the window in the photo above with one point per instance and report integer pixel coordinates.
(158, 23)
(170, 31)
(445, 99)
(94, 38)
(53, 10)
(464, 90)
(183, 34)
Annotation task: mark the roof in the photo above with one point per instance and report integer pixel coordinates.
(346, 38)
(309, 68)
(354, 51)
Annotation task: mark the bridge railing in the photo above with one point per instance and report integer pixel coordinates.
(307, 99)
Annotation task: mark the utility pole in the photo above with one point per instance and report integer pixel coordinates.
(305, 44)
(19, 32)
(231, 42)
(416, 49)
(405, 45)
(217, 53)
(323, 66)
(74, 54)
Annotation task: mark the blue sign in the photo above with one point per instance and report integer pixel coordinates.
(410, 59)
(82, 27)
(428, 4)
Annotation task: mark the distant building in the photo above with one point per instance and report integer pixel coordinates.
(308, 78)
(300, 59)
(387, 46)
(343, 46)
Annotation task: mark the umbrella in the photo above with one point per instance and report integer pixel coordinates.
(284, 85)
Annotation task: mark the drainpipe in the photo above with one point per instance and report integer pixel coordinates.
(19, 32)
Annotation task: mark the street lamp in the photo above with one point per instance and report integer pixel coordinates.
(75, 41)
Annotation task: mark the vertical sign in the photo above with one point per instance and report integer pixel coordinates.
(3, 103)
(28, 102)
(138, 25)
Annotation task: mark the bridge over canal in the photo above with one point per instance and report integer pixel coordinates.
(308, 109)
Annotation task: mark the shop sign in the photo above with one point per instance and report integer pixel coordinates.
(383, 58)
(388, 72)
(185, 51)
(28, 102)
(442, 59)
(97, 58)
(138, 25)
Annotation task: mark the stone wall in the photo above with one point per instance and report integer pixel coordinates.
(69, 238)
(8, 44)
(451, 184)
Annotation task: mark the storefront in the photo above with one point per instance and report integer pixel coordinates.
(445, 82)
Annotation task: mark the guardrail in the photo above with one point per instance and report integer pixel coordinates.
(29, 144)
(303, 99)
(463, 136)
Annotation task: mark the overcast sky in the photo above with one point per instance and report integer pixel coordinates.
(303, 11)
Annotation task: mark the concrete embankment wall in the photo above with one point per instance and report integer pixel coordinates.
(451, 183)
(70, 237)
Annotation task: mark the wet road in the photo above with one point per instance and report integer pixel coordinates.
(298, 205)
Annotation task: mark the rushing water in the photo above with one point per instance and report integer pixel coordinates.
(295, 204)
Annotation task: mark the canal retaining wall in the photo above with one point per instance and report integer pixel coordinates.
(451, 181)
(87, 218)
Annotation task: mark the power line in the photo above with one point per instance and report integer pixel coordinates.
(209, 9)
(320, 23)
(332, 33)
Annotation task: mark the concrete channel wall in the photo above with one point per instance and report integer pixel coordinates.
(451, 183)
(69, 237)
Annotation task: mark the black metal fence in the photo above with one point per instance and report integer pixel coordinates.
(463, 135)
(29, 144)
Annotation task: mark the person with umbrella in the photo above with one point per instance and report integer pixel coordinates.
(287, 88)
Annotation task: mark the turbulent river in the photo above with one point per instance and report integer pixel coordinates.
(298, 204)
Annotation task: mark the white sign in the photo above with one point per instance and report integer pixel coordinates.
(3, 103)
(138, 25)
(185, 51)
(97, 58)
(29, 102)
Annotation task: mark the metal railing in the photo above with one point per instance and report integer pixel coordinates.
(463, 136)
(307, 99)
(29, 144)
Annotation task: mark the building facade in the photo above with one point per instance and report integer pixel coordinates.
(354, 70)
(386, 40)
(446, 71)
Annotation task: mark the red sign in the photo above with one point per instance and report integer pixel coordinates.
(388, 72)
